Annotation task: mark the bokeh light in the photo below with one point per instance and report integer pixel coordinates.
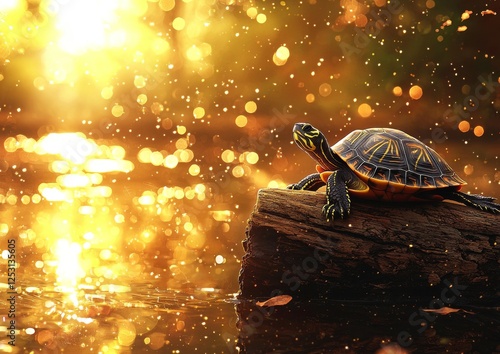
(416, 92)
(365, 110)
(135, 135)
(478, 131)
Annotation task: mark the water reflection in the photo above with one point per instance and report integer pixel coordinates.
(319, 326)
(140, 319)
(95, 252)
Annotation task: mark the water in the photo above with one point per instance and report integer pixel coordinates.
(147, 319)
(139, 321)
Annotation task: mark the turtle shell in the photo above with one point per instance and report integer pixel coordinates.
(389, 160)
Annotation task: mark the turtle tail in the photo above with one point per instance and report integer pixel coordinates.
(474, 200)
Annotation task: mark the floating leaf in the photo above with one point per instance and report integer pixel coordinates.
(488, 12)
(446, 24)
(279, 300)
(446, 310)
(466, 15)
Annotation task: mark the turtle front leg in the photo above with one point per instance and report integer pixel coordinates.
(311, 183)
(338, 202)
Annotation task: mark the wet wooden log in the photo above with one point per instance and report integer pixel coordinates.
(382, 252)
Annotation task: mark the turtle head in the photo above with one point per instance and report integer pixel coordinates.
(307, 137)
(314, 143)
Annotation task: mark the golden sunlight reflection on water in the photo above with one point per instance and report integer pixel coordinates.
(79, 236)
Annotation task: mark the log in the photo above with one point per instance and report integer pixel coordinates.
(383, 252)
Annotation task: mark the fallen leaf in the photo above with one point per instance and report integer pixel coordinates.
(279, 300)
(446, 310)
(466, 15)
(446, 24)
(488, 12)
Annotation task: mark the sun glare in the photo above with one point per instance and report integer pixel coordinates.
(87, 25)
(95, 38)
(6, 5)
(69, 271)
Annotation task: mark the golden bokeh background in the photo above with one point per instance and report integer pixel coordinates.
(135, 135)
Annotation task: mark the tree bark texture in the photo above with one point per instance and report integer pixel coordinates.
(381, 252)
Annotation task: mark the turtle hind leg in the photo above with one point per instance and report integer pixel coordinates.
(312, 182)
(474, 200)
(338, 202)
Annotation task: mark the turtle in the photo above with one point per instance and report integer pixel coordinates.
(379, 164)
